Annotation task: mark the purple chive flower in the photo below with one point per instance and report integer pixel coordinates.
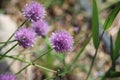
(62, 41)
(7, 77)
(25, 37)
(40, 27)
(34, 11)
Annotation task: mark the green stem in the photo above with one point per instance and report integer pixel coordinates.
(80, 52)
(42, 55)
(33, 61)
(44, 68)
(64, 60)
(11, 63)
(15, 58)
(91, 66)
(8, 51)
(7, 42)
(30, 63)
(12, 35)
(47, 41)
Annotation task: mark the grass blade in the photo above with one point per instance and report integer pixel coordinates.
(112, 55)
(95, 25)
(112, 16)
(117, 45)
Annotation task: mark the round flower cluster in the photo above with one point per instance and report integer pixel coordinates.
(34, 11)
(61, 41)
(25, 37)
(40, 27)
(7, 77)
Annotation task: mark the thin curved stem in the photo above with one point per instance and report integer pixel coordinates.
(12, 35)
(91, 66)
(30, 63)
(8, 51)
(11, 63)
(33, 61)
(44, 68)
(7, 42)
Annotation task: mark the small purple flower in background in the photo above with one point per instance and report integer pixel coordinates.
(76, 29)
(25, 37)
(40, 27)
(34, 11)
(62, 41)
(7, 76)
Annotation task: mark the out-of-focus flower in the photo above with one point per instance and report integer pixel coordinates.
(61, 41)
(40, 27)
(25, 37)
(7, 76)
(34, 11)
(76, 29)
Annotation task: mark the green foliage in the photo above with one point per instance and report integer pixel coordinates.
(117, 45)
(48, 57)
(111, 16)
(95, 25)
(112, 55)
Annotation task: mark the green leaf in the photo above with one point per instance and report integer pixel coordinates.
(111, 17)
(117, 45)
(95, 25)
(112, 55)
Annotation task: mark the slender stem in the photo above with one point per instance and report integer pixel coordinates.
(23, 69)
(63, 59)
(12, 63)
(33, 61)
(7, 42)
(13, 35)
(8, 51)
(44, 68)
(91, 66)
(42, 55)
(15, 58)
(30, 63)
(80, 52)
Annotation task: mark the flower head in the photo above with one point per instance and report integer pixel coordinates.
(34, 11)
(40, 27)
(25, 37)
(62, 41)
(7, 77)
